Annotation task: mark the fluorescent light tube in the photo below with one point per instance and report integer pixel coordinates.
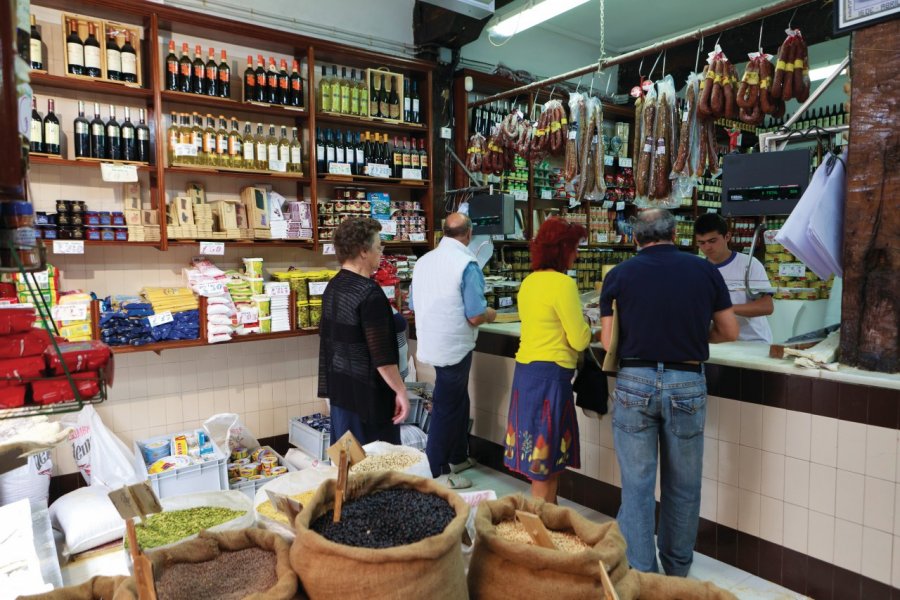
(534, 14)
(824, 72)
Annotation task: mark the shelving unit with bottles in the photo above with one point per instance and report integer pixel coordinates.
(211, 84)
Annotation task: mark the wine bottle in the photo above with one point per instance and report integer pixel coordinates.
(235, 146)
(360, 156)
(171, 68)
(416, 114)
(211, 75)
(397, 160)
(35, 48)
(209, 142)
(98, 134)
(142, 138)
(423, 159)
(92, 53)
(129, 142)
(74, 50)
(184, 70)
(384, 100)
(340, 149)
(296, 85)
(335, 90)
(407, 102)
(407, 156)
(284, 148)
(222, 158)
(345, 92)
(284, 84)
(296, 153)
(413, 154)
(198, 71)
(350, 151)
(272, 82)
(249, 80)
(179, 133)
(113, 57)
(363, 95)
(261, 85)
(320, 151)
(324, 92)
(81, 139)
(113, 136)
(262, 150)
(197, 137)
(129, 60)
(329, 150)
(354, 93)
(394, 101)
(36, 139)
(224, 77)
(248, 149)
(374, 97)
(385, 150)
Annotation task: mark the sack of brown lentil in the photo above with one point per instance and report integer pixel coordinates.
(246, 564)
(399, 537)
(506, 565)
(660, 587)
(95, 588)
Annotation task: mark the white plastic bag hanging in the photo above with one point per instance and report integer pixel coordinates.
(228, 433)
(102, 458)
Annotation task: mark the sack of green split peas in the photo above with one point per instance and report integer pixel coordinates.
(399, 537)
(506, 565)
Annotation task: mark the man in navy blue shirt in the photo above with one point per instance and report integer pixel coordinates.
(670, 306)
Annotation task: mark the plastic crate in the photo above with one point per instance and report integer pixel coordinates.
(249, 488)
(312, 441)
(208, 476)
(416, 405)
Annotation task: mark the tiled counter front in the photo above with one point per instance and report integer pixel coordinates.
(801, 477)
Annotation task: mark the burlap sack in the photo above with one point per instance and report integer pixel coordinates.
(431, 568)
(207, 546)
(502, 569)
(660, 587)
(95, 588)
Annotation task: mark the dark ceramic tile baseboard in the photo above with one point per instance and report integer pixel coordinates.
(868, 405)
(796, 571)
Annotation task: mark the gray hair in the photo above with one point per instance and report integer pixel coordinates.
(653, 225)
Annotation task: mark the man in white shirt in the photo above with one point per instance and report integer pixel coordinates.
(712, 235)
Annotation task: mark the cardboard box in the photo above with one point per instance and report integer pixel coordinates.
(197, 192)
(133, 217)
(183, 210)
(131, 193)
(256, 202)
(225, 213)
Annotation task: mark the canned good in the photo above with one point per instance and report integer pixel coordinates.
(258, 454)
(249, 469)
(243, 461)
(236, 480)
(239, 453)
(276, 471)
(268, 462)
(255, 478)
(234, 470)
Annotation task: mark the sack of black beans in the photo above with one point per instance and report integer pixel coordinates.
(250, 564)
(96, 588)
(503, 567)
(399, 537)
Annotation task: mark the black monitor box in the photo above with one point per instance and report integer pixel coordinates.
(764, 183)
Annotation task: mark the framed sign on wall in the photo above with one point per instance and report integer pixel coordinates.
(853, 14)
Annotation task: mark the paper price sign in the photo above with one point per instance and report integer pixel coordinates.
(607, 204)
(185, 150)
(376, 170)
(327, 249)
(712, 210)
(520, 195)
(210, 288)
(278, 289)
(118, 173)
(317, 288)
(624, 162)
(415, 174)
(278, 166)
(160, 319)
(248, 315)
(42, 279)
(417, 237)
(389, 291)
(75, 311)
(546, 194)
(608, 160)
(620, 205)
(685, 241)
(792, 270)
(602, 238)
(339, 169)
(388, 227)
(212, 248)
(506, 302)
(68, 246)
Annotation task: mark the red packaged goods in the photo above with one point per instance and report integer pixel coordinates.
(14, 370)
(17, 345)
(16, 318)
(79, 356)
(12, 397)
(57, 389)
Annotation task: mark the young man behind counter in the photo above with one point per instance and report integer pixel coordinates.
(712, 235)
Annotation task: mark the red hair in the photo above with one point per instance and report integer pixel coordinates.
(555, 241)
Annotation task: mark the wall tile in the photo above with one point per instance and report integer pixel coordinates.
(605, 433)
(851, 451)
(796, 481)
(796, 527)
(751, 424)
(799, 430)
(772, 475)
(774, 425)
(711, 429)
(266, 423)
(771, 520)
(729, 463)
(750, 469)
(848, 545)
(821, 536)
(895, 578)
(878, 511)
(728, 502)
(174, 413)
(822, 490)
(749, 512)
(876, 554)
(709, 494)
(729, 420)
(897, 509)
(849, 496)
(710, 458)
(881, 452)
(824, 441)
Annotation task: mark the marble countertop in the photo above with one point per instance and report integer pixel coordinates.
(755, 355)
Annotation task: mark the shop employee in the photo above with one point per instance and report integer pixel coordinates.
(712, 235)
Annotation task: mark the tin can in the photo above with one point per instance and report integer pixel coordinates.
(258, 454)
(250, 469)
(239, 453)
(236, 480)
(234, 470)
(277, 471)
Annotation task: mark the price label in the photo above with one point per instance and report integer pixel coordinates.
(792, 270)
(498, 237)
(389, 291)
(685, 241)
(279, 166)
(248, 315)
(520, 195)
(160, 319)
(488, 288)
(505, 302)
(546, 194)
(624, 162)
(328, 249)
(417, 237)
(185, 150)
(42, 279)
(317, 288)
(415, 174)
(571, 273)
(608, 160)
(68, 246)
(712, 210)
(118, 173)
(339, 169)
(607, 204)
(620, 205)
(209, 288)
(278, 288)
(212, 248)
(73, 311)
(373, 170)
(602, 238)
(388, 227)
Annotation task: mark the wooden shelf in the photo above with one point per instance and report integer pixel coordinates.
(89, 85)
(90, 163)
(49, 243)
(374, 123)
(305, 244)
(385, 182)
(201, 170)
(174, 345)
(235, 105)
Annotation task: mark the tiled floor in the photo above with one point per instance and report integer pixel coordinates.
(742, 584)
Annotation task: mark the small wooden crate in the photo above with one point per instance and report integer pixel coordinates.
(135, 31)
(396, 83)
(83, 22)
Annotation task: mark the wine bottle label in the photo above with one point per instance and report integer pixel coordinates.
(236, 148)
(76, 53)
(423, 161)
(273, 152)
(415, 105)
(171, 66)
(414, 160)
(81, 128)
(261, 151)
(97, 129)
(112, 131)
(186, 70)
(407, 103)
(248, 152)
(209, 142)
(36, 52)
(36, 131)
(384, 108)
(373, 108)
(320, 152)
(212, 73)
(129, 63)
(221, 144)
(296, 156)
(339, 154)
(224, 76)
(272, 81)
(284, 154)
(395, 111)
(295, 84)
(329, 154)
(92, 57)
(143, 134)
(251, 80)
(360, 157)
(283, 83)
(128, 134)
(113, 60)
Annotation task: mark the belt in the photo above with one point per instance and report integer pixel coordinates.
(667, 366)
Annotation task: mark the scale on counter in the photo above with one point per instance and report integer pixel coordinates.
(764, 183)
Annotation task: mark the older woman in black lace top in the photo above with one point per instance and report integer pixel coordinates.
(358, 342)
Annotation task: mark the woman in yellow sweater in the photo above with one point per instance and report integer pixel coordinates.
(542, 429)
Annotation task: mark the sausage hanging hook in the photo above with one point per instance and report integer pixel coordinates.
(665, 55)
(791, 20)
(761, 23)
(699, 50)
(654, 65)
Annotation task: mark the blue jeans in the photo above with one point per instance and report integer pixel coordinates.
(660, 413)
(448, 431)
(343, 420)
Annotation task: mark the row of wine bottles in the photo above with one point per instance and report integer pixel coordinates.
(209, 78)
(358, 150)
(92, 139)
(83, 56)
(189, 142)
(351, 96)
